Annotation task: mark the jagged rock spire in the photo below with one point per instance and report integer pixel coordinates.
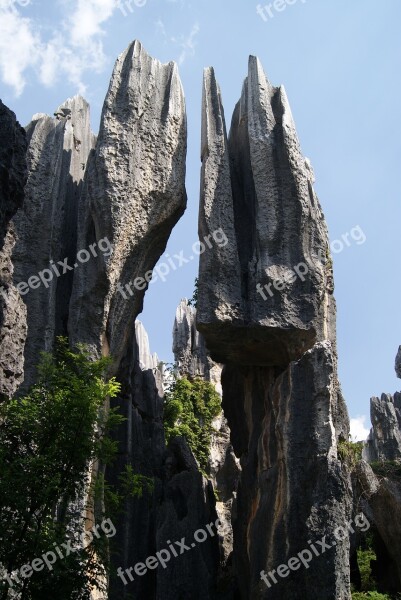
(266, 310)
(134, 194)
(258, 187)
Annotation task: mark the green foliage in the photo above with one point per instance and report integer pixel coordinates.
(370, 596)
(387, 468)
(364, 560)
(366, 555)
(50, 441)
(194, 300)
(190, 408)
(134, 485)
(350, 453)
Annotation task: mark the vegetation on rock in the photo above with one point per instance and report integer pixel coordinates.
(51, 443)
(190, 407)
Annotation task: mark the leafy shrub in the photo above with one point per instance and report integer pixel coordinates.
(350, 453)
(51, 441)
(370, 596)
(364, 559)
(387, 468)
(190, 407)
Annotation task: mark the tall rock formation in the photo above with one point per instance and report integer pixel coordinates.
(13, 173)
(267, 312)
(46, 226)
(133, 196)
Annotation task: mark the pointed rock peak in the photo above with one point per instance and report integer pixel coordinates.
(257, 73)
(398, 363)
(71, 106)
(138, 54)
(213, 120)
(145, 358)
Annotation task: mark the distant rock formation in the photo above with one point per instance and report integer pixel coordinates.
(398, 363)
(13, 327)
(384, 441)
(380, 500)
(266, 310)
(377, 486)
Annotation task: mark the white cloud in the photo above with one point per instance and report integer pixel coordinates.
(187, 44)
(74, 47)
(359, 432)
(19, 47)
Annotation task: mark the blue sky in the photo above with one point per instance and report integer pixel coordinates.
(340, 62)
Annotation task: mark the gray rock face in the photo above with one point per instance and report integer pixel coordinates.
(13, 173)
(384, 441)
(223, 470)
(398, 363)
(267, 312)
(190, 352)
(182, 502)
(134, 194)
(142, 447)
(292, 488)
(380, 499)
(276, 232)
(188, 507)
(46, 226)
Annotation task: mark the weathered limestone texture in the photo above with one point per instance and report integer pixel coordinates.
(13, 173)
(384, 441)
(192, 360)
(273, 220)
(46, 226)
(267, 311)
(134, 194)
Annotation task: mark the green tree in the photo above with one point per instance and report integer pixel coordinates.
(50, 443)
(194, 300)
(190, 407)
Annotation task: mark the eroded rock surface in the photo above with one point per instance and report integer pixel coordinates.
(398, 363)
(193, 360)
(384, 441)
(134, 194)
(273, 326)
(380, 500)
(46, 226)
(275, 227)
(13, 328)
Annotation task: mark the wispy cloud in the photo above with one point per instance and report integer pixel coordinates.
(74, 47)
(359, 432)
(187, 44)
